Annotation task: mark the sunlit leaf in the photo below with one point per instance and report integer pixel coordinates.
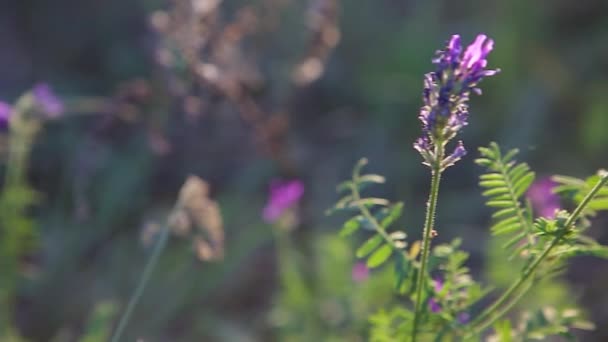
(379, 256)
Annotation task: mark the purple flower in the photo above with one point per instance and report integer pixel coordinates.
(476, 53)
(544, 201)
(283, 195)
(446, 94)
(458, 153)
(49, 103)
(434, 305)
(5, 115)
(360, 272)
(423, 146)
(437, 285)
(463, 318)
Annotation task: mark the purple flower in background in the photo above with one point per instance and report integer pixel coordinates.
(544, 201)
(5, 115)
(282, 196)
(434, 305)
(463, 318)
(437, 285)
(360, 272)
(50, 104)
(446, 94)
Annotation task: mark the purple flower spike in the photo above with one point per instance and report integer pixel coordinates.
(434, 305)
(283, 195)
(5, 115)
(544, 201)
(50, 104)
(446, 95)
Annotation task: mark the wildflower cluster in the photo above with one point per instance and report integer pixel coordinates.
(446, 95)
(540, 235)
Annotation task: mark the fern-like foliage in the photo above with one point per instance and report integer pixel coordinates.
(391, 325)
(458, 291)
(505, 184)
(541, 325)
(376, 216)
(574, 189)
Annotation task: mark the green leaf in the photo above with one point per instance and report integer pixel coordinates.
(499, 204)
(369, 246)
(496, 191)
(351, 226)
(393, 215)
(523, 183)
(486, 152)
(504, 212)
(368, 202)
(518, 171)
(491, 176)
(483, 162)
(371, 178)
(596, 251)
(402, 268)
(342, 204)
(503, 330)
(346, 185)
(360, 164)
(514, 240)
(503, 223)
(509, 156)
(506, 229)
(379, 256)
(493, 183)
(599, 204)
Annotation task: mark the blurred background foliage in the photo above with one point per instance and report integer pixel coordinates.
(240, 92)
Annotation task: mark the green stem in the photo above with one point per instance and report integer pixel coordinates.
(368, 215)
(143, 281)
(491, 314)
(503, 311)
(426, 242)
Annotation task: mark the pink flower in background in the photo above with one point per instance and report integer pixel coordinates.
(437, 284)
(360, 272)
(282, 196)
(544, 201)
(434, 305)
(50, 104)
(5, 114)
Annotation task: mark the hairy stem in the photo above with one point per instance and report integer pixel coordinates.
(426, 242)
(496, 310)
(143, 281)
